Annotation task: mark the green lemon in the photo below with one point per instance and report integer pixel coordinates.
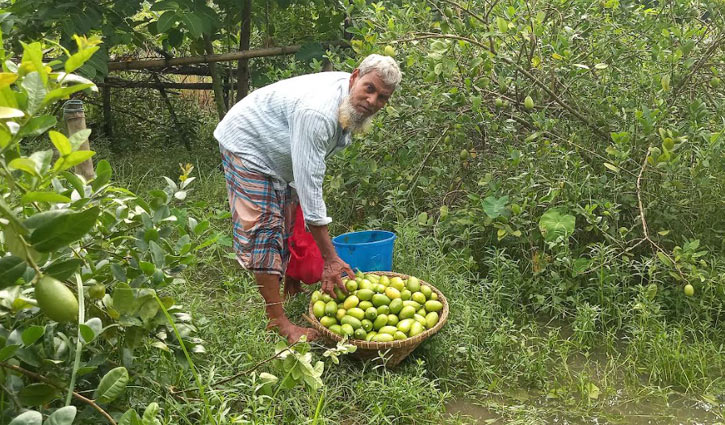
(397, 283)
(352, 321)
(364, 305)
(372, 278)
(383, 309)
(399, 335)
(425, 289)
(357, 313)
(413, 284)
(318, 309)
(365, 284)
(396, 305)
(392, 293)
(370, 335)
(499, 102)
(418, 297)
(98, 291)
(380, 299)
(347, 329)
(389, 51)
(422, 311)
(360, 333)
(432, 305)
(404, 325)
(365, 294)
(336, 329)
(351, 285)
(529, 103)
(328, 321)
(715, 82)
(367, 325)
(316, 296)
(341, 312)
(383, 338)
(405, 295)
(340, 295)
(380, 321)
(56, 300)
(331, 308)
(384, 280)
(379, 288)
(689, 290)
(411, 303)
(388, 330)
(326, 298)
(350, 302)
(416, 328)
(407, 312)
(371, 313)
(433, 296)
(393, 319)
(431, 319)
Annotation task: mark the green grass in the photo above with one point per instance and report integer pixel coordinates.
(523, 362)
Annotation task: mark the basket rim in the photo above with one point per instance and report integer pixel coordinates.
(401, 343)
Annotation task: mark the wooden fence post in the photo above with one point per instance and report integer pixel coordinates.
(75, 120)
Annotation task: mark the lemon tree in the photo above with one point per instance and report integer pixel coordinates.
(81, 261)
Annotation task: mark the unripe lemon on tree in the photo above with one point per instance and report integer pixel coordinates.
(714, 82)
(56, 300)
(529, 103)
(689, 290)
(464, 155)
(389, 50)
(499, 102)
(97, 291)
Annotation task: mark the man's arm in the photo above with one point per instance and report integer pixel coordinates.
(333, 267)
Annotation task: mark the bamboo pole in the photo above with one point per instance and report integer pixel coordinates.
(223, 57)
(75, 120)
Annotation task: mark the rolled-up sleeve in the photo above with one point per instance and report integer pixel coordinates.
(310, 134)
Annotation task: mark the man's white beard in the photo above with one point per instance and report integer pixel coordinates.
(352, 120)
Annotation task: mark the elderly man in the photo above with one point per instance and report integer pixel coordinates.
(281, 135)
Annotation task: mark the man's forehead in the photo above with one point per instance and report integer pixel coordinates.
(374, 78)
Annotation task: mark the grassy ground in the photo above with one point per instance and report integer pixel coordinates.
(495, 361)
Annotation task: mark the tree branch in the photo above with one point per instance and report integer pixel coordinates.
(43, 379)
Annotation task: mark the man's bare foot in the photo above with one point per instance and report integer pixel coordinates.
(292, 287)
(293, 332)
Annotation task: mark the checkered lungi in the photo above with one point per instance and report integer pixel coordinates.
(263, 217)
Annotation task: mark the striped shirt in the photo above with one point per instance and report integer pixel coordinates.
(286, 130)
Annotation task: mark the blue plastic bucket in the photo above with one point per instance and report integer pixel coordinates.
(368, 250)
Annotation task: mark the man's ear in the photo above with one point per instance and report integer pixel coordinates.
(354, 76)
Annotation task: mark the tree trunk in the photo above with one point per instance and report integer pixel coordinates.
(243, 64)
(215, 80)
(75, 120)
(107, 116)
(174, 118)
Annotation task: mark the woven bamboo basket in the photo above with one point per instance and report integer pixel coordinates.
(393, 352)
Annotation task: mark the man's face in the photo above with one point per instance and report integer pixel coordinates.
(368, 93)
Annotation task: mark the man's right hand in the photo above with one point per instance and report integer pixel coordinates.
(332, 275)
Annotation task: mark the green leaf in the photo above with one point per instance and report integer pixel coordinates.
(148, 309)
(71, 160)
(24, 164)
(5, 135)
(44, 217)
(664, 259)
(77, 59)
(50, 197)
(33, 53)
(35, 89)
(37, 394)
(166, 21)
(42, 160)
(612, 167)
(112, 385)
(76, 139)
(554, 224)
(11, 268)
(37, 125)
(75, 181)
(60, 142)
(157, 254)
(495, 207)
(63, 416)
(123, 299)
(193, 24)
(6, 113)
(62, 270)
(31, 417)
(32, 334)
(103, 174)
(63, 229)
(502, 24)
(165, 5)
(149, 415)
(310, 51)
(91, 329)
(130, 418)
(8, 351)
(64, 92)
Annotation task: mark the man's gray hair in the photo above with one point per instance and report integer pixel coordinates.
(385, 66)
